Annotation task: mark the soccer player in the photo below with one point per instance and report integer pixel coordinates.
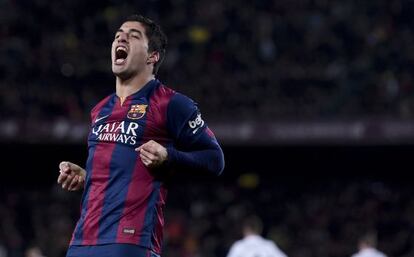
(253, 244)
(366, 247)
(141, 131)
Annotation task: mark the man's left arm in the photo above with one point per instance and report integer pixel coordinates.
(204, 154)
(195, 146)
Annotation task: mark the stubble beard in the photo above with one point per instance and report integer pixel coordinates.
(123, 73)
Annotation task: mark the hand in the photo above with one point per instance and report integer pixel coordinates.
(152, 154)
(72, 177)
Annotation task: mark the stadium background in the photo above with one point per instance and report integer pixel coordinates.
(312, 100)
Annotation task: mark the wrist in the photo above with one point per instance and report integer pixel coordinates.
(171, 153)
(83, 173)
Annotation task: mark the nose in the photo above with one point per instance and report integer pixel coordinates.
(123, 37)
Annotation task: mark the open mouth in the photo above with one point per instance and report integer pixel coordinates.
(120, 54)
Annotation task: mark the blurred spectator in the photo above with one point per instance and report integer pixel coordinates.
(253, 244)
(272, 60)
(34, 252)
(312, 219)
(3, 252)
(367, 247)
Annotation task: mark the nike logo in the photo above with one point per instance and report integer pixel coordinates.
(195, 131)
(100, 118)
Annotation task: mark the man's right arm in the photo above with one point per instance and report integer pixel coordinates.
(71, 176)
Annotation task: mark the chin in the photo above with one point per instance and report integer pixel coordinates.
(116, 70)
(122, 74)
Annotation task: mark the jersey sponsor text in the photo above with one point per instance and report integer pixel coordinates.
(121, 132)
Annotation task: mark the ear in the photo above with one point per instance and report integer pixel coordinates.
(153, 57)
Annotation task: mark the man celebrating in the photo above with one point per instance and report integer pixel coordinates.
(140, 131)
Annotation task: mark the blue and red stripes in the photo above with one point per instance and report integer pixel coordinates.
(122, 165)
(146, 196)
(123, 202)
(158, 113)
(103, 108)
(99, 177)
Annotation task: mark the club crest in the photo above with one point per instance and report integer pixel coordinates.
(137, 111)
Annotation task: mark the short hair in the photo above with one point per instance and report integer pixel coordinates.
(253, 224)
(157, 40)
(369, 238)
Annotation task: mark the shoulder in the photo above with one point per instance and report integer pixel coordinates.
(371, 252)
(163, 91)
(172, 97)
(100, 104)
(181, 107)
(161, 96)
(257, 239)
(250, 241)
(381, 254)
(270, 246)
(180, 100)
(365, 254)
(237, 246)
(175, 103)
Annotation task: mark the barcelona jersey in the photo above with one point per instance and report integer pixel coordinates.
(122, 200)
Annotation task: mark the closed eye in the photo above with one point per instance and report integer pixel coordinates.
(135, 35)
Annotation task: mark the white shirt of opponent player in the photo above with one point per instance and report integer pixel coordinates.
(369, 252)
(255, 246)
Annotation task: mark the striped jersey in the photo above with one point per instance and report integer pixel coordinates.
(122, 200)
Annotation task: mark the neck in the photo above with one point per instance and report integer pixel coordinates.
(365, 246)
(127, 87)
(249, 233)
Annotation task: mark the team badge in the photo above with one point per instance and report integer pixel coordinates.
(137, 111)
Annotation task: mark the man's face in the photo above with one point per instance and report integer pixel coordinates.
(129, 50)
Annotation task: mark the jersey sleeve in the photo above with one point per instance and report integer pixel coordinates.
(195, 145)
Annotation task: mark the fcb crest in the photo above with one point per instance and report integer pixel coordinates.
(137, 111)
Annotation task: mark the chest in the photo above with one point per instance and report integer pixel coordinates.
(129, 124)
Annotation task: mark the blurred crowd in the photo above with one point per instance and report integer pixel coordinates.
(259, 60)
(305, 219)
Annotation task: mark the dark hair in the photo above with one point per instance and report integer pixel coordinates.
(253, 224)
(157, 40)
(369, 238)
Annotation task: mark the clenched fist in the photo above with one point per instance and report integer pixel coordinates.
(152, 154)
(72, 176)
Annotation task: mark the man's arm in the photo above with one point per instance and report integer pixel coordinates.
(205, 154)
(195, 146)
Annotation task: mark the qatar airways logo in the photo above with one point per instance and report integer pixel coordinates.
(119, 132)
